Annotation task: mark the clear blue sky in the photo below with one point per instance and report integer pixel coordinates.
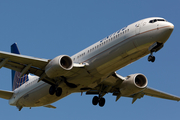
(46, 29)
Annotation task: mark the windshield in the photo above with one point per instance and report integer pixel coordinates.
(155, 20)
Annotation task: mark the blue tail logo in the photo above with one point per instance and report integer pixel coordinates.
(17, 81)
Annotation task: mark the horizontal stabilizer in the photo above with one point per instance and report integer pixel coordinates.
(6, 94)
(50, 106)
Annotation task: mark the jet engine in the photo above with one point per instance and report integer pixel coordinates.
(133, 84)
(58, 66)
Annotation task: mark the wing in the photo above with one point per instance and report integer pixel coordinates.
(113, 84)
(36, 66)
(18, 62)
(6, 94)
(154, 93)
(159, 94)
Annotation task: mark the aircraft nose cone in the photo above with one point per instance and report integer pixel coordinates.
(165, 31)
(170, 26)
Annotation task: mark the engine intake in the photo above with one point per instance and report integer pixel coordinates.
(58, 66)
(140, 81)
(133, 84)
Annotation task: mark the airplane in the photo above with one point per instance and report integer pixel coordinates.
(40, 82)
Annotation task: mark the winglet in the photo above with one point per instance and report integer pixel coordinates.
(15, 49)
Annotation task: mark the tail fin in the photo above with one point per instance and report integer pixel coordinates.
(16, 80)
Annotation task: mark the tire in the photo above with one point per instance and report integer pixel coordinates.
(101, 102)
(153, 59)
(95, 100)
(149, 58)
(58, 91)
(52, 90)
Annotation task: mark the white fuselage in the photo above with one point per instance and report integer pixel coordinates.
(101, 59)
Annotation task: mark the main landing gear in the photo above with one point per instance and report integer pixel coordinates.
(99, 100)
(55, 89)
(58, 90)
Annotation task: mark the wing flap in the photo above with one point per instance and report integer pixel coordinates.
(108, 85)
(92, 92)
(6, 94)
(156, 93)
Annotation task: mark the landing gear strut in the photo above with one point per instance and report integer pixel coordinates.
(99, 100)
(54, 89)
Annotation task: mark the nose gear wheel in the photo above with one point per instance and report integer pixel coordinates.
(151, 58)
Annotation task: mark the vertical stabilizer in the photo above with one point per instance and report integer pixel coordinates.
(17, 81)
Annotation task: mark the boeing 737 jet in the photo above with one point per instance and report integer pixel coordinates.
(41, 82)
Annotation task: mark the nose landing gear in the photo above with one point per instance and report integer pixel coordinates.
(154, 48)
(151, 58)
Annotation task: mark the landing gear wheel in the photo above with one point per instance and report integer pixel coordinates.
(151, 58)
(52, 90)
(95, 100)
(101, 102)
(58, 91)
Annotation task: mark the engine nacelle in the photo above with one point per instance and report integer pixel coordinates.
(58, 66)
(133, 84)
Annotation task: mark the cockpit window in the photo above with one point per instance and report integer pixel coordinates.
(155, 20)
